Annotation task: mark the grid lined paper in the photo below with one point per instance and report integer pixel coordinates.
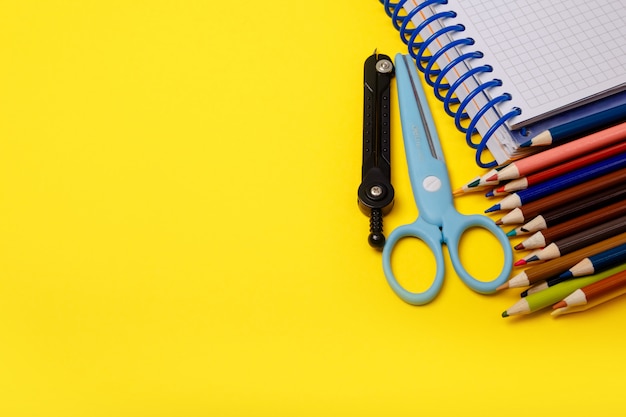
(549, 54)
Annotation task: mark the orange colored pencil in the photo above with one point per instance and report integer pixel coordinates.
(592, 291)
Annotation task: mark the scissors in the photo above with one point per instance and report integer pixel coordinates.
(438, 222)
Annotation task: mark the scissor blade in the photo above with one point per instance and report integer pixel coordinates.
(410, 91)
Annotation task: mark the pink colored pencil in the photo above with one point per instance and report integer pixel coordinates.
(559, 154)
(541, 176)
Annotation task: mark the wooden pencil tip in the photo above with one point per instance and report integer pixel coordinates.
(511, 233)
(494, 177)
(489, 194)
(519, 246)
(503, 286)
(521, 262)
(505, 314)
(458, 192)
(474, 183)
(499, 222)
(560, 304)
(495, 207)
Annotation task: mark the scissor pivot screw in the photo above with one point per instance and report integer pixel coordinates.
(384, 66)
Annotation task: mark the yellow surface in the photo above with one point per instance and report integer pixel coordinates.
(179, 233)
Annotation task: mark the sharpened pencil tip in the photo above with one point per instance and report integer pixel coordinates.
(458, 192)
(519, 246)
(474, 183)
(523, 293)
(566, 275)
(521, 262)
(533, 258)
(499, 222)
(505, 314)
(494, 177)
(511, 233)
(495, 207)
(560, 304)
(503, 286)
(489, 193)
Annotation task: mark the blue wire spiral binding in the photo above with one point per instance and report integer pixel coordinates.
(396, 20)
(409, 35)
(421, 47)
(457, 118)
(429, 72)
(438, 82)
(435, 76)
(448, 99)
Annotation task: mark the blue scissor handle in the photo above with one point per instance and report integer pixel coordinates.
(456, 224)
(427, 233)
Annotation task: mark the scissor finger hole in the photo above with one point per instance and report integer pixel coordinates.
(481, 253)
(413, 264)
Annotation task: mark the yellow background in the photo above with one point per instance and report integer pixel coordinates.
(179, 233)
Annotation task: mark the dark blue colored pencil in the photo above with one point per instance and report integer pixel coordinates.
(580, 127)
(544, 189)
(597, 263)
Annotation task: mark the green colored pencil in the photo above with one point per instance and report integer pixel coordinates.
(556, 293)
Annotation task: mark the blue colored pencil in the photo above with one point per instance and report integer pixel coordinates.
(579, 127)
(597, 263)
(589, 172)
(588, 266)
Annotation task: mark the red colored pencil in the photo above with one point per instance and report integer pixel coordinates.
(525, 182)
(562, 153)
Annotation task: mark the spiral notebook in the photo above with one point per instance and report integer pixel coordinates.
(508, 70)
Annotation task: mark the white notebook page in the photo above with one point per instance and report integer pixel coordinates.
(550, 55)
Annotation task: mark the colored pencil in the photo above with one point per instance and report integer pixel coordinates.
(578, 240)
(495, 193)
(562, 182)
(559, 215)
(550, 282)
(564, 197)
(598, 262)
(579, 127)
(587, 293)
(479, 182)
(543, 238)
(559, 265)
(585, 160)
(552, 295)
(591, 304)
(559, 154)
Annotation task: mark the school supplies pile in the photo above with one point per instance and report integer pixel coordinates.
(557, 132)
